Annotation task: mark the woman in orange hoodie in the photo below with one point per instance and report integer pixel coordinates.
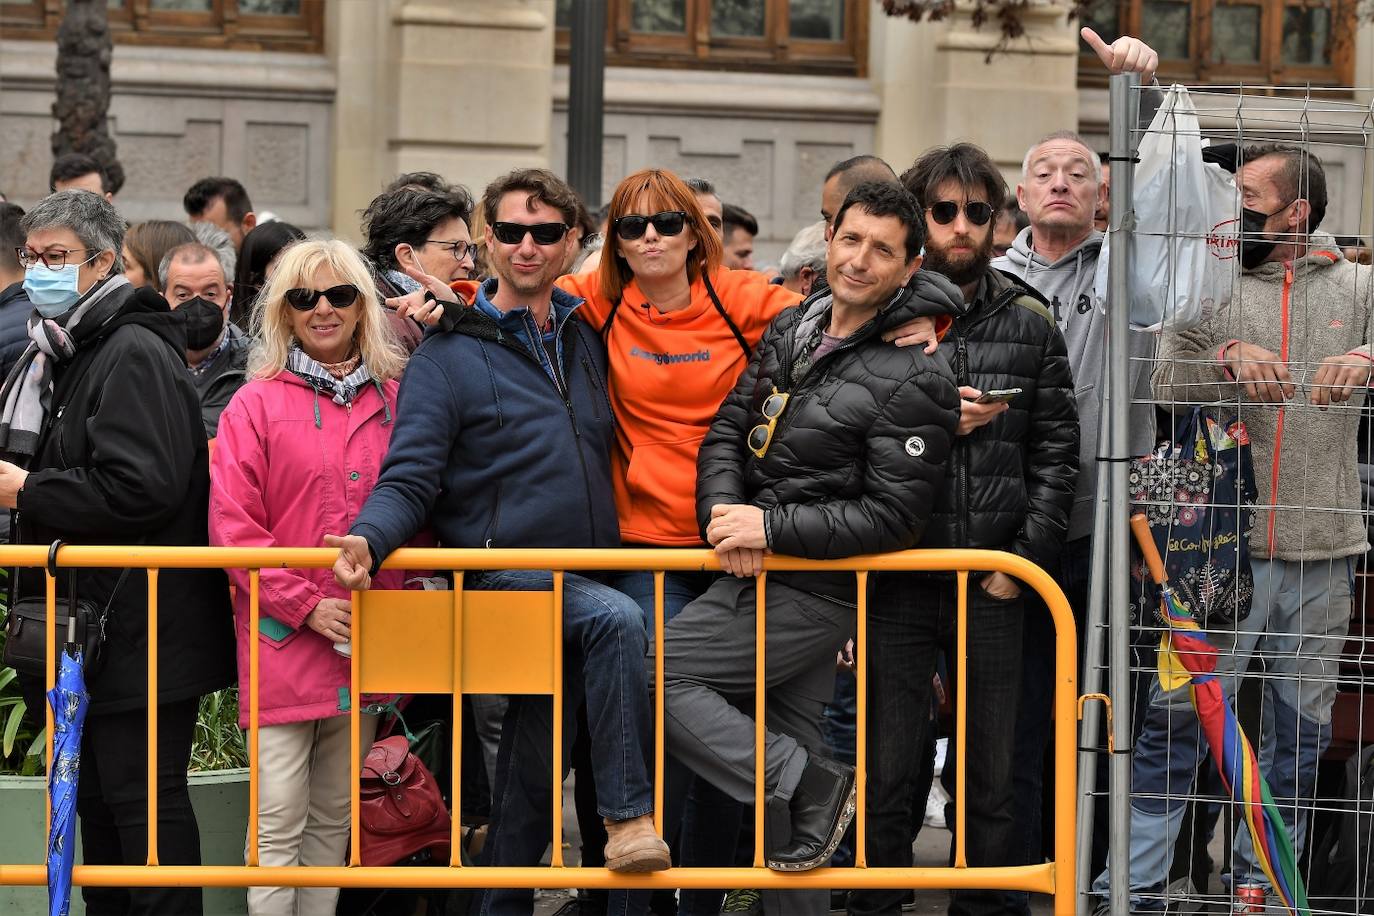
(679, 329)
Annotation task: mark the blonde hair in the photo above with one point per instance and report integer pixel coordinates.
(296, 267)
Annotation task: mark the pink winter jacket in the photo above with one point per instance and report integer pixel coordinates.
(278, 479)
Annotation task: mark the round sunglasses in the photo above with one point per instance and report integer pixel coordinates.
(339, 297)
(944, 212)
(669, 222)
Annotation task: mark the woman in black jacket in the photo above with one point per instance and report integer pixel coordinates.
(103, 444)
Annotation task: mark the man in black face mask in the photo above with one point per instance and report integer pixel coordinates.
(196, 286)
(1290, 353)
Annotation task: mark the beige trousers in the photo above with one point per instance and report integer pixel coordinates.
(303, 807)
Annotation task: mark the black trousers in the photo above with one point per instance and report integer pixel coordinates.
(112, 801)
(910, 618)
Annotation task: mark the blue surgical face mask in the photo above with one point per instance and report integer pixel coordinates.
(52, 292)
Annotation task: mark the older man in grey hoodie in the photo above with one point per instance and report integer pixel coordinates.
(1060, 189)
(1290, 353)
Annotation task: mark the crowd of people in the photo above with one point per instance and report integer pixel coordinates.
(924, 369)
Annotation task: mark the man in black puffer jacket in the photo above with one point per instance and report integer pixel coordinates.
(833, 443)
(1011, 483)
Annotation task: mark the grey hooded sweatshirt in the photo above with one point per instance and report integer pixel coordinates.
(1067, 284)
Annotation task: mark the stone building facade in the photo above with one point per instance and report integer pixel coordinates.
(317, 121)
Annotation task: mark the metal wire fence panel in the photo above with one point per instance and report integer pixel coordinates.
(1258, 498)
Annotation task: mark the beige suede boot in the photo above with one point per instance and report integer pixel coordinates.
(634, 846)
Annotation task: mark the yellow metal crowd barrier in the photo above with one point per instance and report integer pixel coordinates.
(510, 642)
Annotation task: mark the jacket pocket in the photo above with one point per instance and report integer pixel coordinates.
(275, 633)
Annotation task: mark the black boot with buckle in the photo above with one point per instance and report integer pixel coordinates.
(804, 834)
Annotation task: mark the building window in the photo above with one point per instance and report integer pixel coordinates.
(1259, 42)
(261, 25)
(797, 36)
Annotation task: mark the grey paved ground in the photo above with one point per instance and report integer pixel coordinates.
(932, 848)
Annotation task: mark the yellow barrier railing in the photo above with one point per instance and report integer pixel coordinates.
(388, 659)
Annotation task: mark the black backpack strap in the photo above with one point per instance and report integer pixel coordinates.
(610, 316)
(734, 328)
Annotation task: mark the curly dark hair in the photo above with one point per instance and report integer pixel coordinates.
(882, 198)
(407, 216)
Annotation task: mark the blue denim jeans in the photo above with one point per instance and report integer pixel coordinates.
(701, 822)
(910, 617)
(1297, 625)
(604, 650)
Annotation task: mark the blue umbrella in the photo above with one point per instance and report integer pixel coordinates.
(69, 700)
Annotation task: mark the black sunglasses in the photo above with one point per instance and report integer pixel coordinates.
(339, 297)
(669, 222)
(543, 233)
(944, 212)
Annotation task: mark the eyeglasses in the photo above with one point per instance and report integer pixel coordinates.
(53, 260)
(459, 250)
(945, 211)
(761, 436)
(669, 222)
(339, 297)
(542, 233)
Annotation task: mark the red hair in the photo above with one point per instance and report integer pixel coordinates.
(663, 191)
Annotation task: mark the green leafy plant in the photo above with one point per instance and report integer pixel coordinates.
(22, 746)
(218, 742)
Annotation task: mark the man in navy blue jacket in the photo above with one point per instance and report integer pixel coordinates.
(503, 439)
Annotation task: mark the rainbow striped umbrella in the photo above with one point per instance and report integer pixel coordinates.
(1187, 658)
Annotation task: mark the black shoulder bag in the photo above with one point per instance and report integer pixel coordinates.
(84, 623)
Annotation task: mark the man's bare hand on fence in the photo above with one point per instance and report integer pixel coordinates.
(736, 525)
(332, 619)
(743, 562)
(1263, 373)
(1001, 586)
(972, 414)
(1338, 377)
(353, 568)
(1125, 55)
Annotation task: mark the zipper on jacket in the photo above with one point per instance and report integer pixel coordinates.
(961, 462)
(1278, 425)
(505, 341)
(587, 369)
(799, 392)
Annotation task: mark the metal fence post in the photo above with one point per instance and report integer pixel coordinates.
(1125, 97)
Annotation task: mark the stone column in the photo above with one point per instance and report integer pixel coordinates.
(459, 87)
(939, 86)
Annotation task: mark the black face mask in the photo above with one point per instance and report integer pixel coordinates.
(1254, 248)
(204, 322)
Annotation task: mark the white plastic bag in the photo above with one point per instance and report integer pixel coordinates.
(1187, 224)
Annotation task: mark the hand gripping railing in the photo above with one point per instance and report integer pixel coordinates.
(386, 658)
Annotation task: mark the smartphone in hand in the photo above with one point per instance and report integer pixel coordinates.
(999, 396)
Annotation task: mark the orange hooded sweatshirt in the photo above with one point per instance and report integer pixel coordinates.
(669, 373)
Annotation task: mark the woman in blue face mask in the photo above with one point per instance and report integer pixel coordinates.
(101, 442)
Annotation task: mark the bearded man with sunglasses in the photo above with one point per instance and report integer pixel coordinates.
(833, 443)
(1011, 477)
(503, 439)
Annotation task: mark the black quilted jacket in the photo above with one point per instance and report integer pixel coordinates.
(859, 453)
(1011, 482)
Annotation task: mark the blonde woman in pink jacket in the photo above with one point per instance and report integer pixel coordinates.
(299, 449)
